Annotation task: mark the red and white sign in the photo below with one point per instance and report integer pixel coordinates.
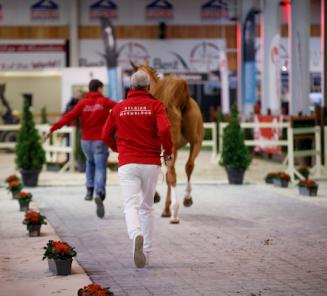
(31, 55)
(268, 133)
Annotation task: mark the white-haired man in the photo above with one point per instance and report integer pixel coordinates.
(138, 128)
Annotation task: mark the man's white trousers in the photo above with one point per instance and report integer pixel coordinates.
(138, 184)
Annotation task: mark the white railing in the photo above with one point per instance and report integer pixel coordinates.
(55, 149)
(213, 141)
(318, 171)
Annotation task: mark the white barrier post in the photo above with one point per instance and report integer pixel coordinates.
(290, 152)
(318, 151)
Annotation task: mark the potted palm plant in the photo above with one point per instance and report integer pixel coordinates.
(30, 155)
(33, 221)
(60, 257)
(235, 155)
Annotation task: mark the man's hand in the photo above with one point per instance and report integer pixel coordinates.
(169, 160)
(46, 136)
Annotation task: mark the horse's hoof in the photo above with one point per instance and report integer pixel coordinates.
(165, 214)
(174, 221)
(156, 198)
(188, 201)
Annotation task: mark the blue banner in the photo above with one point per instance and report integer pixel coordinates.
(114, 85)
(110, 46)
(248, 65)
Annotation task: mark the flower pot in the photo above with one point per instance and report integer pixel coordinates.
(269, 180)
(280, 183)
(34, 230)
(308, 191)
(60, 266)
(23, 205)
(30, 177)
(235, 175)
(14, 194)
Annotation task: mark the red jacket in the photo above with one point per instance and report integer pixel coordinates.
(93, 111)
(136, 129)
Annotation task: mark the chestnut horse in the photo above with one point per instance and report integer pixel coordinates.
(186, 127)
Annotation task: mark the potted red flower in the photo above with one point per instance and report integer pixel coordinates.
(94, 290)
(281, 179)
(270, 177)
(33, 221)
(24, 199)
(14, 187)
(308, 187)
(12, 178)
(60, 257)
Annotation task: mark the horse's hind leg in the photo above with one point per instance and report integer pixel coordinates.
(166, 212)
(194, 151)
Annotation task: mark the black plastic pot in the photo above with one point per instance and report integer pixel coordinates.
(235, 175)
(34, 230)
(308, 191)
(281, 183)
(60, 266)
(23, 205)
(30, 177)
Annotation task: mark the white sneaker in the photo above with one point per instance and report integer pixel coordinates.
(139, 258)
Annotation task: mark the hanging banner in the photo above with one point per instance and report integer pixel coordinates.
(248, 67)
(214, 9)
(275, 75)
(114, 77)
(103, 8)
(1, 14)
(31, 55)
(159, 9)
(45, 9)
(171, 56)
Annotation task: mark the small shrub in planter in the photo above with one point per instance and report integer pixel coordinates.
(14, 187)
(24, 199)
(30, 155)
(235, 155)
(308, 187)
(282, 179)
(60, 257)
(33, 221)
(94, 290)
(269, 179)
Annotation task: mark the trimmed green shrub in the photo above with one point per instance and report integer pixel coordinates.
(29, 152)
(235, 154)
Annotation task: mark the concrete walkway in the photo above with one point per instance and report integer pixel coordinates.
(235, 240)
(22, 271)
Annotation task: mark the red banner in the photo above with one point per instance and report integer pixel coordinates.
(268, 133)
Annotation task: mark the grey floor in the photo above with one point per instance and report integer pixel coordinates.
(234, 240)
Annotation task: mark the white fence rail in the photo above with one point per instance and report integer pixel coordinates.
(318, 170)
(62, 142)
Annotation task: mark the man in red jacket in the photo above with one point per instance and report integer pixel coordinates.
(93, 112)
(137, 129)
